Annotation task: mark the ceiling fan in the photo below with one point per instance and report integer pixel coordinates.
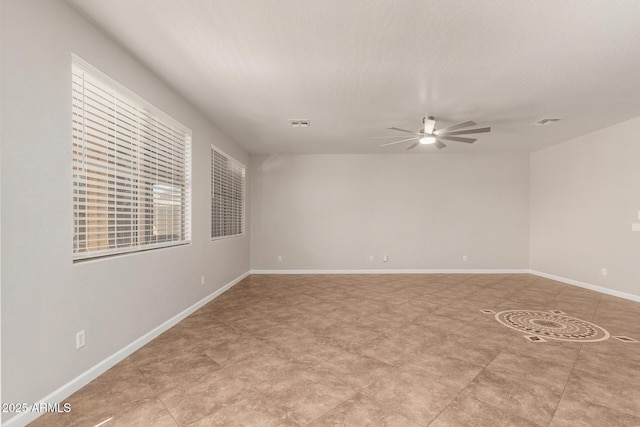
(429, 135)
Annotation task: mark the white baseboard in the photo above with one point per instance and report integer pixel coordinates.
(24, 418)
(400, 271)
(589, 286)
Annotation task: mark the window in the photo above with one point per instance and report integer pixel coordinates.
(227, 195)
(131, 170)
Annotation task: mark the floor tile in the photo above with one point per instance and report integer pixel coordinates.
(530, 369)
(612, 365)
(448, 371)
(106, 395)
(478, 350)
(533, 401)
(622, 394)
(350, 337)
(47, 419)
(457, 313)
(418, 399)
(178, 371)
(574, 413)
(309, 394)
(469, 412)
(363, 412)
(263, 371)
(146, 412)
(356, 369)
(209, 394)
(392, 349)
(383, 322)
(251, 410)
(243, 348)
(562, 353)
(440, 324)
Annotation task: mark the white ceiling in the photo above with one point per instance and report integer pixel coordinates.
(357, 67)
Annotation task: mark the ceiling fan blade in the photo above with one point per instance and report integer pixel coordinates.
(385, 137)
(429, 124)
(413, 145)
(404, 130)
(440, 144)
(454, 127)
(458, 138)
(465, 132)
(398, 142)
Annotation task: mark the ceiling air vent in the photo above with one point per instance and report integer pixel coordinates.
(545, 122)
(297, 123)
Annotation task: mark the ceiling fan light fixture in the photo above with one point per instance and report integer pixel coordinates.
(428, 139)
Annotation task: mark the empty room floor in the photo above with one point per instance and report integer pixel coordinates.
(381, 350)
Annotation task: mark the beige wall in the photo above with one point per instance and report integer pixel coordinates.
(585, 194)
(46, 299)
(332, 212)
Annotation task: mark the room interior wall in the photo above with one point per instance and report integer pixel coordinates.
(585, 194)
(46, 298)
(565, 210)
(425, 212)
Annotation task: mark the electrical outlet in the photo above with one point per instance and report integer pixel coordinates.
(279, 258)
(80, 339)
(604, 271)
(385, 258)
(464, 258)
(371, 258)
(202, 280)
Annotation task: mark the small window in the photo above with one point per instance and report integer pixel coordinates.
(227, 195)
(131, 170)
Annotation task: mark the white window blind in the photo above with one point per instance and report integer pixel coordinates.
(227, 195)
(131, 170)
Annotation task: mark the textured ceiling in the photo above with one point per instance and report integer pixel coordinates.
(357, 67)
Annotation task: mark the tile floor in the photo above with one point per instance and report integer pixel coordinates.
(374, 350)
